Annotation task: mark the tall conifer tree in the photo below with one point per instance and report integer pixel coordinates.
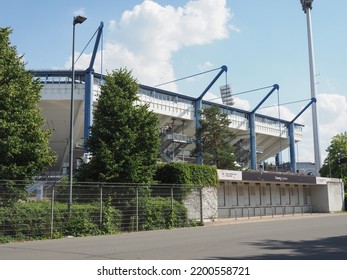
(24, 149)
(215, 139)
(124, 139)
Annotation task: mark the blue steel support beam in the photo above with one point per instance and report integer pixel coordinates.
(88, 106)
(96, 46)
(223, 69)
(292, 147)
(253, 141)
(198, 106)
(88, 94)
(292, 136)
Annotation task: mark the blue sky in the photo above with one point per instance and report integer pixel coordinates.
(262, 43)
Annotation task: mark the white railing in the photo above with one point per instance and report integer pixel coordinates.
(175, 106)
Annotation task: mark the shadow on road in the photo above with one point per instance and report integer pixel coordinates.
(332, 248)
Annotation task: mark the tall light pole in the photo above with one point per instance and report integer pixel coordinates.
(307, 6)
(76, 20)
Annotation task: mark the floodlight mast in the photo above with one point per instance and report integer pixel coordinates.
(307, 6)
(76, 20)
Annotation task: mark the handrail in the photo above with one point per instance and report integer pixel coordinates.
(272, 207)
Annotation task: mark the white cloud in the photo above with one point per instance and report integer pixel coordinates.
(280, 112)
(80, 12)
(234, 28)
(207, 65)
(112, 24)
(210, 96)
(242, 104)
(332, 116)
(146, 37)
(331, 103)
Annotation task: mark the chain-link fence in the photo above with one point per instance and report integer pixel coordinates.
(51, 210)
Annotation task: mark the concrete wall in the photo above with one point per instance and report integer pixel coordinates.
(252, 198)
(328, 195)
(335, 196)
(320, 198)
(209, 207)
(242, 199)
(235, 197)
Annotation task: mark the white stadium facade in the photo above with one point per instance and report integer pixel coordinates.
(177, 115)
(258, 138)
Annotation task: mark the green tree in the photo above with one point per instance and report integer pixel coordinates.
(215, 145)
(336, 150)
(24, 150)
(124, 139)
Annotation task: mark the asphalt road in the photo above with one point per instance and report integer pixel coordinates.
(307, 237)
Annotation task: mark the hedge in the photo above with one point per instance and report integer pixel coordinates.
(163, 213)
(187, 174)
(32, 220)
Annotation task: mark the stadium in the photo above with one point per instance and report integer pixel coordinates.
(68, 99)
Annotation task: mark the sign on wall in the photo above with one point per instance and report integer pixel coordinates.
(324, 180)
(273, 177)
(229, 175)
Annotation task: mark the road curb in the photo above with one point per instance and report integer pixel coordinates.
(257, 219)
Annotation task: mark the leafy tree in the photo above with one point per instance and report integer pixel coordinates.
(336, 150)
(215, 145)
(124, 139)
(24, 150)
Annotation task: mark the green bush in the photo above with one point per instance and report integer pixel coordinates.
(33, 220)
(85, 220)
(162, 213)
(111, 218)
(25, 220)
(187, 176)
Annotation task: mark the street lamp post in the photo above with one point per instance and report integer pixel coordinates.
(76, 20)
(307, 6)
